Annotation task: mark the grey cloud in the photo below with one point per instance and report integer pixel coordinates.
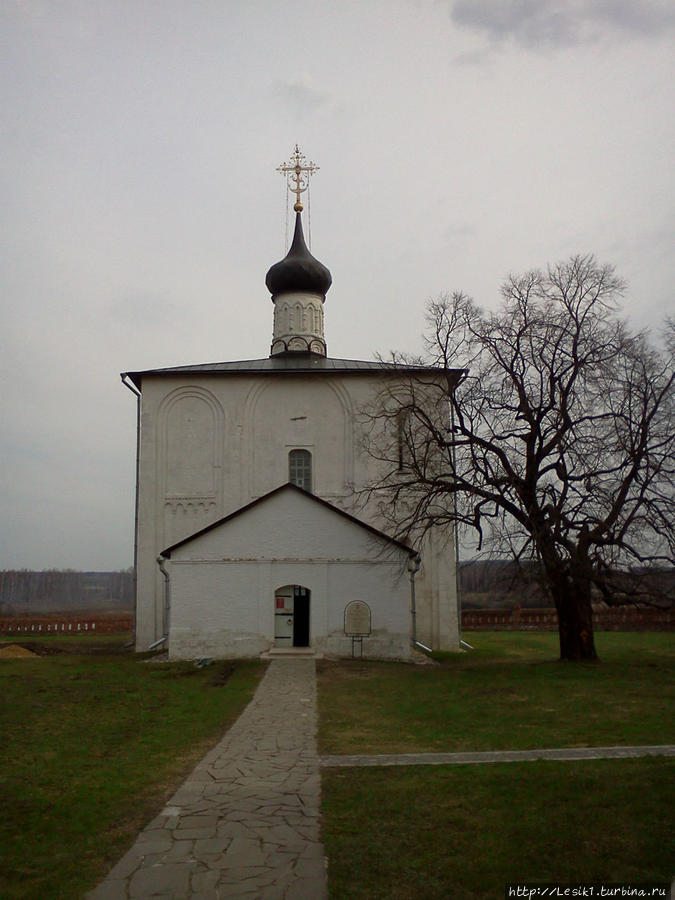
(552, 23)
(456, 233)
(143, 309)
(300, 90)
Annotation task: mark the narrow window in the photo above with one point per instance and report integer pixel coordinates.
(401, 424)
(300, 468)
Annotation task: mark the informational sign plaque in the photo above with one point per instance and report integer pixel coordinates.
(357, 619)
(357, 624)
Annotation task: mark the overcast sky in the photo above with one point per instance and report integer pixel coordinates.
(458, 141)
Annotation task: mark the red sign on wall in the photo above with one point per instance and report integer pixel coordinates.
(281, 602)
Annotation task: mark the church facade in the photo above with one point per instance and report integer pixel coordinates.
(253, 532)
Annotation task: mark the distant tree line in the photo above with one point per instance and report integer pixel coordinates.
(23, 591)
(504, 584)
(501, 583)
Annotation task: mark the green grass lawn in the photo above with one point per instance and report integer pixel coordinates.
(440, 832)
(465, 831)
(92, 743)
(510, 693)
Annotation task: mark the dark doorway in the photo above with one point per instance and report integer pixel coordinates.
(301, 616)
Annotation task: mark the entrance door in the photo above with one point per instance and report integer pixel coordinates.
(301, 617)
(291, 616)
(283, 616)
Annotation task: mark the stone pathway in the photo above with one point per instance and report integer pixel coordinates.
(495, 756)
(246, 822)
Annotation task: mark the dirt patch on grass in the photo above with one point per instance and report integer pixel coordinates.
(72, 647)
(107, 648)
(16, 651)
(222, 676)
(344, 668)
(34, 647)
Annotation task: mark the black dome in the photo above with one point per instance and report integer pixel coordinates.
(298, 271)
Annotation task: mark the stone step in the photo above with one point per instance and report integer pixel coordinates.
(291, 652)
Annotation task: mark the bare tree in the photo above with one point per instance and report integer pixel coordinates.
(557, 445)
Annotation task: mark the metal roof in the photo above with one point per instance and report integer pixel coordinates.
(299, 363)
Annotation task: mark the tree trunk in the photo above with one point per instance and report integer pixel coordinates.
(575, 622)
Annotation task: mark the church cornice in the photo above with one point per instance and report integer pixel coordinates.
(297, 364)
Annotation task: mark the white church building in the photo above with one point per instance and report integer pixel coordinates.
(253, 536)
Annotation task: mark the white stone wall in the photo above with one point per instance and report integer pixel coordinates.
(211, 444)
(222, 599)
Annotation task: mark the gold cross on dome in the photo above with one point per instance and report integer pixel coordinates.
(297, 171)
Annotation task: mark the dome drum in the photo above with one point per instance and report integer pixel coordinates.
(298, 344)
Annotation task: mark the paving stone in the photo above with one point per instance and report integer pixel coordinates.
(150, 859)
(235, 815)
(272, 893)
(285, 836)
(198, 806)
(152, 835)
(241, 875)
(307, 831)
(110, 889)
(198, 778)
(229, 830)
(181, 851)
(444, 759)
(304, 888)
(276, 875)
(244, 853)
(209, 847)
(149, 848)
(125, 867)
(248, 804)
(279, 858)
(171, 879)
(313, 849)
(193, 834)
(203, 882)
(311, 868)
(242, 893)
(208, 820)
(171, 811)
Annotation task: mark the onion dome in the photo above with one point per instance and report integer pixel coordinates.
(299, 271)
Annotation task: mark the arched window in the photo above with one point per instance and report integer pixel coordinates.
(300, 468)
